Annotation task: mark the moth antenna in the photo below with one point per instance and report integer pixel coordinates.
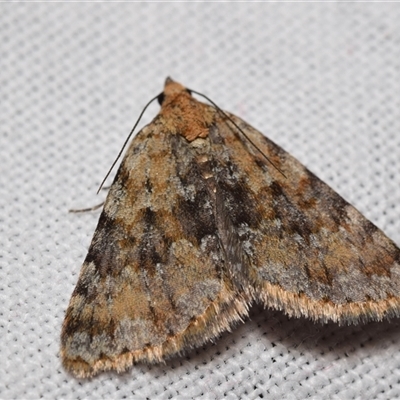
(127, 140)
(239, 129)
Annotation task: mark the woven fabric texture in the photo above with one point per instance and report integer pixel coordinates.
(321, 80)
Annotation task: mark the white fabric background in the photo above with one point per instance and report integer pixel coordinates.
(321, 80)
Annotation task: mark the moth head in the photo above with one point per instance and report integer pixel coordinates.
(172, 88)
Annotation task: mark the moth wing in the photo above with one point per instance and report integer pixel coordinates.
(152, 283)
(304, 248)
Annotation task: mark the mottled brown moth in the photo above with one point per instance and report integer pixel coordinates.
(205, 217)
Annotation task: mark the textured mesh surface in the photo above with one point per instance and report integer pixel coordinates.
(322, 80)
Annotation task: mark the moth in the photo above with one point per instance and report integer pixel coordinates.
(205, 217)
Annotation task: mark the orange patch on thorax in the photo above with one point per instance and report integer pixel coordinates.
(182, 114)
